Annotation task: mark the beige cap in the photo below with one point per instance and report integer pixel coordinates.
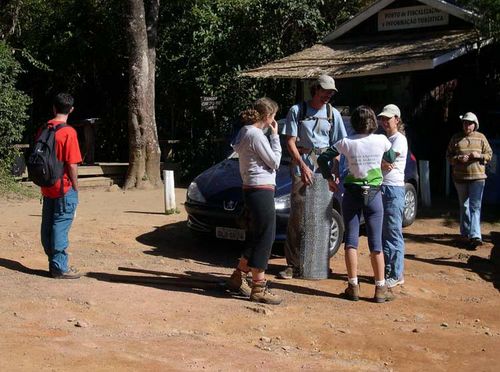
(390, 111)
(470, 116)
(326, 82)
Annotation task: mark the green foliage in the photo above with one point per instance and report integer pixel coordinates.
(489, 15)
(173, 211)
(78, 46)
(13, 106)
(205, 44)
(11, 189)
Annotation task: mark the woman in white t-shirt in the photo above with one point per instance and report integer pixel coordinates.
(363, 152)
(393, 196)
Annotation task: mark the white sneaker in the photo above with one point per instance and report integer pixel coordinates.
(391, 282)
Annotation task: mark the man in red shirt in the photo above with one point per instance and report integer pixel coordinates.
(59, 207)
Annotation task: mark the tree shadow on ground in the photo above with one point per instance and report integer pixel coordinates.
(487, 269)
(448, 210)
(452, 240)
(17, 266)
(208, 284)
(177, 241)
(146, 212)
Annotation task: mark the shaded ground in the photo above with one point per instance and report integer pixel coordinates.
(152, 299)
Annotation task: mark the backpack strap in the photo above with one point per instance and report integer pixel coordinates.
(59, 126)
(303, 111)
(56, 128)
(329, 115)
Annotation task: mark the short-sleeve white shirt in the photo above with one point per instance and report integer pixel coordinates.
(396, 176)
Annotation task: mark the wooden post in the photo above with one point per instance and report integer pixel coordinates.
(169, 191)
(425, 189)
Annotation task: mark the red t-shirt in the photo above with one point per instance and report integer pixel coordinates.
(67, 151)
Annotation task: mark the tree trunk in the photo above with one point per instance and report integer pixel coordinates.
(9, 17)
(144, 149)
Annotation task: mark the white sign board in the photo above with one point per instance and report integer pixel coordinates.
(411, 17)
(209, 103)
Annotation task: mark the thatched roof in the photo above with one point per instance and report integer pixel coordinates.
(405, 52)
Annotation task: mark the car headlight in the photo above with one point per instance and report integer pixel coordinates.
(282, 202)
(194, 193)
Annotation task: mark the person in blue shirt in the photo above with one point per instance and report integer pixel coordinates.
(311, 127)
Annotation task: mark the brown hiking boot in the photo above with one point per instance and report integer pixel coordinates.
(383, 294)
(352, 292)
(238, 283)
(260, 293)
(474, 243)
(72, 273)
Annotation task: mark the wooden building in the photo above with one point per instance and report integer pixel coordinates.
(425, 56)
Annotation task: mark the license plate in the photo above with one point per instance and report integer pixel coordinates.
(229, 233)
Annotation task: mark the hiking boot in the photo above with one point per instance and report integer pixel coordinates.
(474, 243)
(462, 241)
(383, 294)
(72, 273)
(391, 282)
(260, 293)
(238, 283)
(289, 273)
(352, 292)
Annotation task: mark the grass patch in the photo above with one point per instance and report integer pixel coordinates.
(12, 189)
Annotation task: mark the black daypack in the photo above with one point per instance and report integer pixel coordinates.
(44, 168)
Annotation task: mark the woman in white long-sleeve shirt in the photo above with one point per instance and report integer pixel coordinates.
(259, 159)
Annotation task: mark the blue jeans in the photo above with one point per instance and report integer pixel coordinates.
(57, 217)
(393, 243)
(470, 195)
(352, 209)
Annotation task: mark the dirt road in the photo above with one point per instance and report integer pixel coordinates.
(151, 301)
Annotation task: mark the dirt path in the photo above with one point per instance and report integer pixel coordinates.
(176, 316)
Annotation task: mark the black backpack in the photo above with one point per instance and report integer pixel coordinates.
(44, 169)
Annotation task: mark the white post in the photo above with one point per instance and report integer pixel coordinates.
(425, 189)
(169, 191)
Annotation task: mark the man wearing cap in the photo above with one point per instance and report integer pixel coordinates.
(468, 152)
(311, 127)
(393, 196)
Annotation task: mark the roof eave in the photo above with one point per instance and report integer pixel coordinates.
(363, 15)
(357, 19)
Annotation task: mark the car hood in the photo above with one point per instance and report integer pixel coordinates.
(223, 181)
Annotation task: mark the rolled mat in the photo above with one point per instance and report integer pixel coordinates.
(317, 219)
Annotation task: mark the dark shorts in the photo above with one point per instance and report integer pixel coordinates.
(353, 207)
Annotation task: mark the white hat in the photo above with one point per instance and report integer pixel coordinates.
(390, 111)
(326, 82)
(470, 116)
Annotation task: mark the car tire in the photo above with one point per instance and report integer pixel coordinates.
(336, 233)
(410, 208)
